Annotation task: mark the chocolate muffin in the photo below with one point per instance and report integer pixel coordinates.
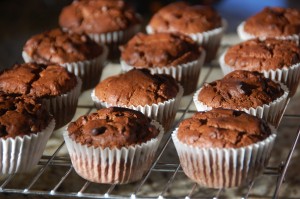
(240, 90)
(109, 22)
(20, 116)
(137, 87)
(157, 95)
(37, 80)
(76, 52)
(58, 47)
(222, 128)
(202, 23)
(247, 91)
(126, 139)
(113, 127)
(234, 145)
(58, 88)
(184, 18)
(25, 126)
(272, 22)
(159, 50)
(270, 56)
(167, 53)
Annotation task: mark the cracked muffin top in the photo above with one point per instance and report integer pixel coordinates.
(240, 89)
(56, 46)
(21, 116)
(184, 18)
(222, 128)
(159, 50)
(137, 87)
(112, 127)
(273, 22)
(37, 80)
(97, 16)
(262, 55)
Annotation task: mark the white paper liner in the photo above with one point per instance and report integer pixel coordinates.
(113, 165)
(63, 107)
(21, 154)
(89, 71)
(210, 40)
(163, 112)
(224, 167)
(243, 35)
(290, 76)
(113, 39)
(186, 74)
(272, 112)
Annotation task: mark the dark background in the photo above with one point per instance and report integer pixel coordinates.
(21, 19)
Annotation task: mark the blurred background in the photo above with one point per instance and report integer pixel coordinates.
(21, 19)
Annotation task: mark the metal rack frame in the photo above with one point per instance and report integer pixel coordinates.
(173, 169)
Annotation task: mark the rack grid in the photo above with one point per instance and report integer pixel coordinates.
(55, 175)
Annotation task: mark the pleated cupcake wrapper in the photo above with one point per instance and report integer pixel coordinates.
(105, 165)
(243, 35)
(272, 112)
(290, 76)
(224, 167)
(63, 107)
(164, 112)
(21, 154)
(113, 39)
(89, 71)
(210, 40)
(186, 74)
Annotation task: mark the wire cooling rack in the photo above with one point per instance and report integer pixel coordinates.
(56, 177)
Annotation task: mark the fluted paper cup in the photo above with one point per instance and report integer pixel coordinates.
(186, 74)
(224, 167)
(105, 165)
(290, 76)
(114, 39)
(210, 40)
(22, 153)
(272, 112)
(63, 107)
(163, 112)
(243, 35)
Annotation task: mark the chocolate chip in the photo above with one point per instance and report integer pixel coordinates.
(98, 131)
(237, 113)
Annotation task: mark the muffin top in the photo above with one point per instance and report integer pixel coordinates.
(184, 18)
(159, 50)
(58, 47)
(240, 89)
(269, 54)
(97, 16)
(222, 128)
(21, 116)
(37, 80)
(112, 127)
(273, 22)
(137, 87)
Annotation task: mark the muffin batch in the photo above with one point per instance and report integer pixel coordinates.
(226, 143)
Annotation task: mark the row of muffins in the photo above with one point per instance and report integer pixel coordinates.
(81, 159)
(245, 145)
(271, 49)
(59, 89)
